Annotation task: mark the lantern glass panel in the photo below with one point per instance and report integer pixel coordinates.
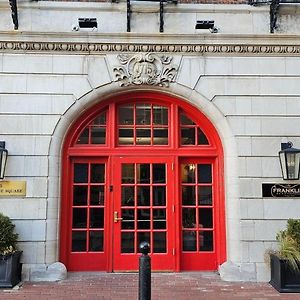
(290, 163)
(3, 158)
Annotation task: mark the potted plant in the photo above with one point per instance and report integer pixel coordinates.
(10, 266)
(285, 262)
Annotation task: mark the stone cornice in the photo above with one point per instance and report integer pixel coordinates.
(55, 43)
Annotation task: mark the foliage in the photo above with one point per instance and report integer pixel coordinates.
(293, 230)
(8, 239)
(289, 244)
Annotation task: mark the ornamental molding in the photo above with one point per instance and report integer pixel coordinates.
(145, 68)
(182, 48)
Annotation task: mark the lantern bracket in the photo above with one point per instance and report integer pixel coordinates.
(14, 13)
(286, 145)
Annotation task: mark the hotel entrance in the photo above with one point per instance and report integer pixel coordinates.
(142, 167)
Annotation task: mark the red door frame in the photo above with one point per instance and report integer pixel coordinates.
(214, 151)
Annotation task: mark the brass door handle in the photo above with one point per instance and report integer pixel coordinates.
(116, 219)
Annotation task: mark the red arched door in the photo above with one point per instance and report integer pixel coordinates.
(142, 167)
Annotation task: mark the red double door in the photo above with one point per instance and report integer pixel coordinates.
(115, 203)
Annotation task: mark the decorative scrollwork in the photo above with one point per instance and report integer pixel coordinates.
(145, 68)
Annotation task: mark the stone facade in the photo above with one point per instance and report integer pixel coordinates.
(244, 79)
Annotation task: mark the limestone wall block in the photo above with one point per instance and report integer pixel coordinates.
(27, 144)
(35, 104)
(282, 208)
(31, 230)
(98, 73)
(266, 230)
(27, 166)
(28, 124)
(24, 208)
(31, 63)
(33, 252)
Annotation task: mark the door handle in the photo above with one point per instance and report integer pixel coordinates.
(116, 219)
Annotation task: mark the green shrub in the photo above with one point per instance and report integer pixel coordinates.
(293, 230)
(289, 243)
(8, 239)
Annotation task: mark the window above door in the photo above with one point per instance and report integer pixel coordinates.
(142, 123)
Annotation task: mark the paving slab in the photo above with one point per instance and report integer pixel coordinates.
(124, 286)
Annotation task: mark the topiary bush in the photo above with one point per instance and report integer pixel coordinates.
(8, 239)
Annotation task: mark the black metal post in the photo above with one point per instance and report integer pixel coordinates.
(274, 8)
(161, 16)
(14, 13)
(145, 272)
(128, 16)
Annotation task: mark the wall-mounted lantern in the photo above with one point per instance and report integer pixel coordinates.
(290, 161)
(3, 159)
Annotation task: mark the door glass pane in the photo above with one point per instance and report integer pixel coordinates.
(188, 195)
(205, 217)
(96, 217)
(205, 195)
(79, 217)
(206, 241)
(143, 173)
(126, 115)
(160, 136)
(97, 195)
(188, 173)
(160, 115)
(188, 136)
(127, 173)
(127, 196)
(159, 173)
(98, 135)
(159, 242)
(96, 241)
(204, 173)
(143, 114)
(143, 136)
(159, 195)
(143, 195)
(78, 241)
(127, 242)
(128, 219)
(142, 237)
(80, 173)
(143, 219)
(79, 195)
(189, 241)
(188, 217)
(97, 173)
(159, 218)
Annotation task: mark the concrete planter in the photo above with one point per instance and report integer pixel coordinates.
(10, 269)
(283, 278)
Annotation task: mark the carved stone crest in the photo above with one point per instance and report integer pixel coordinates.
(145, 68)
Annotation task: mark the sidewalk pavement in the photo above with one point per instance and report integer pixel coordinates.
(165, 286)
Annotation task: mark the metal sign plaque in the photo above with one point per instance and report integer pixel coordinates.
(13, 188)
(276, 190)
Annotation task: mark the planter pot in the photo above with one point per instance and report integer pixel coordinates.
(283, 278)
(10, 269)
